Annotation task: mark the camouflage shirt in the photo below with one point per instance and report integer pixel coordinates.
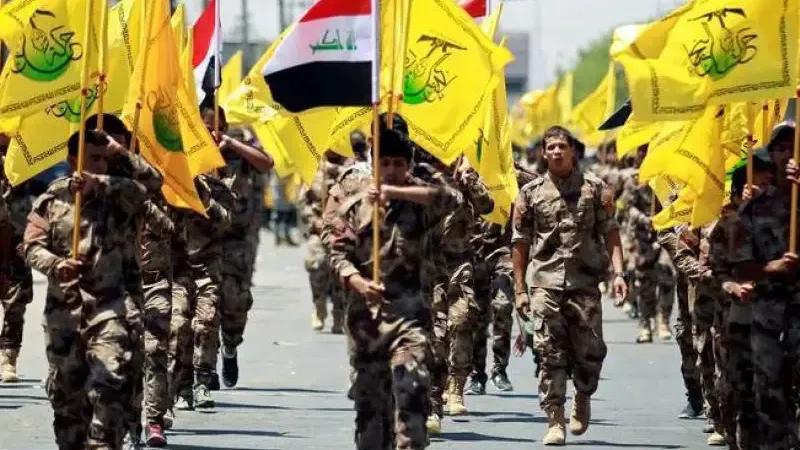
(565, 222)
(452, 236)
(403, 234)
(317, 195)
(242, 179)
(762, 234)
(104, 237)
(684, 256)
(352, 180)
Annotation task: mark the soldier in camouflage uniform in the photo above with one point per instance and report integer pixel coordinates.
(196, 295)
(317, 265)
(244, 168)
(16, 287)
(88, 338)
(770, 273)
(494, 293)
(452, 287)
(563, 226)
(388, 322)
(654, 307)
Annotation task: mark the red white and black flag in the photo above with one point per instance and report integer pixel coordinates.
(329, 58)
(207, 57)
(476, 8)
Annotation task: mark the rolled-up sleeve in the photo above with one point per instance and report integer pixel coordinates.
(523, 220)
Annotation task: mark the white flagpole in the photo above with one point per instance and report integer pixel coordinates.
(376, 146)
(217, 64)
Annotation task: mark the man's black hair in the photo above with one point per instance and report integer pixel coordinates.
(93, 137)
(111, 125)
(398, 123)
(208, 104)
(395, 145)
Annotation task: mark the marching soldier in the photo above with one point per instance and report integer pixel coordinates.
(563, 235)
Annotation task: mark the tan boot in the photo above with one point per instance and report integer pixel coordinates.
(434, 425)
(664, 332)
(318, 316)
(338, 324)
(455, 396)
(8, 366)
(581, 414)
(645, 336)
(556, 434)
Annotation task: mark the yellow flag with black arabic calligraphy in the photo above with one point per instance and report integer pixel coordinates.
(712, 52)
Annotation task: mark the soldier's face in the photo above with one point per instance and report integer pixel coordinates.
(781, 153)
(96, 159)
(393, 170)
(208, 120)
(560, 155)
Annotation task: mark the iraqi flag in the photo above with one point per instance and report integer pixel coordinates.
(478, 9)
(328, 59)
(207, 57)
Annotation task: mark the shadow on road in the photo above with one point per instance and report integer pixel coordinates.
(467, 436)
(621, 445)
(259, 433)
(285, 390)
(248, 406)
(195, 447)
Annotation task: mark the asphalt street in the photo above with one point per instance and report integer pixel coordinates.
(293, 383)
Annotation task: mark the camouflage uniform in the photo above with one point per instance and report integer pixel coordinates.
(240, 245)
(689, 272)
(762, 236)
(88, 340)
(450, 265)
(565, 223)
(388, 345)
(196, 287)
(494, 292)
(734, 358)
(647, 272)
(16, 290)
(317, 261)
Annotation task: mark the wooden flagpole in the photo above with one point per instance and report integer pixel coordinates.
(793, 206)
(101, 85)
(376, 141)
(217, 65)
(76, 227)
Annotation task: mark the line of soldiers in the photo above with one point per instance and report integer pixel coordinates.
(736, 285)
(135, 321)
(417, 338)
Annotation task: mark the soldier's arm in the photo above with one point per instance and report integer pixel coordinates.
(257, 158)
(477, 192)
(523, 227)
(343, 242)
(143, 172)
(683, 257)
(36, 244)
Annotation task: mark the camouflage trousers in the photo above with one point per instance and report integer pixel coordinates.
(775, 339)
(568, 336)
(739, 367)
(322, 279)
(15, 300)
(389, 356)
(494, 296)
(454, 315)
(135, 385)
(157, 314)
(88, 383)
(683, 337)
(704, 308)
(655, 293)
(237, 299)
(180, 373)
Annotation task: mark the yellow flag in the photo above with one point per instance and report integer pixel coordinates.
(697, 159)
(450, 69)
(491, 157)
(32, 151)
(301, 139)
(634, 134)
(45, 61)
(590, 113)
(14, 17)
(231, 76)
(565, 96)
(167, 127)
(251, 102)
(178, 23)
(267, 135)
(676, 213)
(712, 52)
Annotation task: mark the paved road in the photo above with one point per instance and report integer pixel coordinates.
(292, 391)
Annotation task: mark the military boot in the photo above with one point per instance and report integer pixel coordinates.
(434, 424)
(455, 396)
(556, 434)
(664, 333)
(318, 316)
(338, 323)
(8, 365)
(645, 336)
(581, 414)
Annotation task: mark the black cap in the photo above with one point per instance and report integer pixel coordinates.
(782, 131)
